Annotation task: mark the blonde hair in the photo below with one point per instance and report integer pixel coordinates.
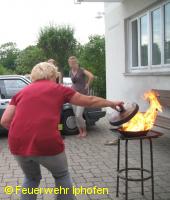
(44, 71)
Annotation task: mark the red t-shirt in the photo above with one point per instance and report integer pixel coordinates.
(34, 128)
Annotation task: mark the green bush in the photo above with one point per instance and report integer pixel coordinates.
(4, 70)
(92, 57)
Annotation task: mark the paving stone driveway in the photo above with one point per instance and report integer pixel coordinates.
(91, 163)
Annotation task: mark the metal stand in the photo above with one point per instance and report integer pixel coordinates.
(150, 172)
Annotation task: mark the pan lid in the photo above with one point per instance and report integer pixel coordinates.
(124, 114)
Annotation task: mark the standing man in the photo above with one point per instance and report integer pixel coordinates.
(81, 81)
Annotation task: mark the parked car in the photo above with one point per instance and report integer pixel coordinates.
(11, 84)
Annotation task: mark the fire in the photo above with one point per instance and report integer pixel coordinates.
(145, 121)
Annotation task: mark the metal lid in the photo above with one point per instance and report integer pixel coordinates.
(124, 114)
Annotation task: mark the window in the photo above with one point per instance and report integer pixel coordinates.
(2, 90)
(12, 86)
(156, 37)
(134, 43)
(149, 38)
(144, 40)
(167, 33)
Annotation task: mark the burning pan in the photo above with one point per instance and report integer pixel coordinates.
(124, 114)
(132, 133)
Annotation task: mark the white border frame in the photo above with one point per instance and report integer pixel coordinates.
(150, 68)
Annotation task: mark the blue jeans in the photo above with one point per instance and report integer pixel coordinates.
(57, 165)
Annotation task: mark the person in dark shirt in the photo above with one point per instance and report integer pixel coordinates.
(81, 81)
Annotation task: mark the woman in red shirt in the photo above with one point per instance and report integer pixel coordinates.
(32, 119)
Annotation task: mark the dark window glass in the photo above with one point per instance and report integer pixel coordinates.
(135, 43)
(144, 40)
(167, 33)
(156, 37)
(13, 86)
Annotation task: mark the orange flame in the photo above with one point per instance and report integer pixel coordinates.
(145, 121)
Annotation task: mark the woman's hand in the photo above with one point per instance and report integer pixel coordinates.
(90, 78)
(93, 101)
(115, 104)
(8, 116)
(87, 86)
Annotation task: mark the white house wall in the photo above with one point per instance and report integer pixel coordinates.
(119, 86)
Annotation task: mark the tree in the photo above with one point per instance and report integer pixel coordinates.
(92, 57)
(156, 54)
(4, 70)
(144, 55)
(28, 58)
(8, 55)
(167, 52)
(58, 43)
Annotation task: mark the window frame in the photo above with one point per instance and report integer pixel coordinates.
(5, 93)
(150, 67)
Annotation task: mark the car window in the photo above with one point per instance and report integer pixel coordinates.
(12, 86)
(2, 90)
